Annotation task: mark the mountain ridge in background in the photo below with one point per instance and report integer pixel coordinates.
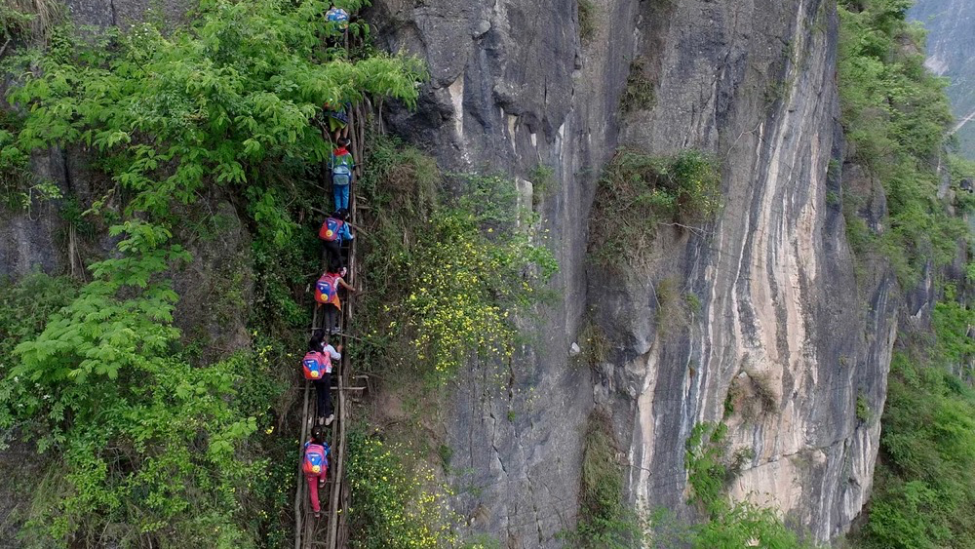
(951, 39)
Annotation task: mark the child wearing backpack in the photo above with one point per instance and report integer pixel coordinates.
(315, 466)
(337, 119)
(317, 368)
(327, 294)
(335, 231)
(341, 164)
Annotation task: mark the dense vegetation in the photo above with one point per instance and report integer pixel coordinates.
(152, 440)
(148, 441)
(449, 263)
(606, 519)
(896, 116)
(711, 467)
(397, 503)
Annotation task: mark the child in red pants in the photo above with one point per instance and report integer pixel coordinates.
(315, 466)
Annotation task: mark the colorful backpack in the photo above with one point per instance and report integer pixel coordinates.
(341, 169)
(315, 365)
(330, 229)
(338, 16)
(316, 459)
(326, 289)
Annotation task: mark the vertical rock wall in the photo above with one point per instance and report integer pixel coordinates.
(751, 81)
(782, 317)
(781, 311)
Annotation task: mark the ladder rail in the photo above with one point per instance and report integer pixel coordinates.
(338, 501)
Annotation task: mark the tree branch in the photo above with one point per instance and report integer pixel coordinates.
(696, 230)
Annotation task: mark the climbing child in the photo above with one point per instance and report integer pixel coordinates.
(338, 120)
(317, 368)
(320, 355)
(335, 231)
(327, 294)
(315, 466)
(337, 21)
(341, 164)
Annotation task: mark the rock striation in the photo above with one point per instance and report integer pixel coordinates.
(782, 311)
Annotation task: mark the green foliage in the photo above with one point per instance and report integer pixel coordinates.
(729, 525)
(952, 322)
(745, 525)
(896, 115)
(863, 411)
(20, 188)
(147, 440)
(543, 183)
(708, 473)
(637, 192)
(25, 308)
(924, 494)
(396, 503)
(960, 168)
(742, 524)
(606, 520)
(858, 234)
(216, 104)
(639, 93)
(587, 20)
(448, 271)
(674, 309)
(143, 441)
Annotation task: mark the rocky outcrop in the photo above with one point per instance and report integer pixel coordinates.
(782, 311)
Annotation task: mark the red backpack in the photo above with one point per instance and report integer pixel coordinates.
(315, 365)
(326, 289)
(330, 229)
(316, 459)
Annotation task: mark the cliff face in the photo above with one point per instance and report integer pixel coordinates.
(950, 25)
(781, 310)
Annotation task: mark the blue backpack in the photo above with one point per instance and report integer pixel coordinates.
(341, 169)
(339, 17)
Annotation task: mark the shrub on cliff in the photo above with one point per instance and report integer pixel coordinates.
(639, 192)
(447, 270)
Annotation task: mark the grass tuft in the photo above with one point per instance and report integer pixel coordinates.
(587, 20)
